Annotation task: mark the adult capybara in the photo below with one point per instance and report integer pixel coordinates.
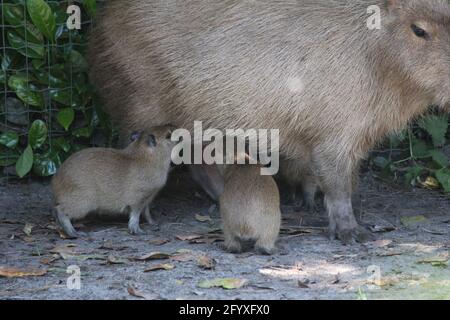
(311, 68)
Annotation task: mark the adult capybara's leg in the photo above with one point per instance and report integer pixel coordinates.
(209, 178)
(336, 182)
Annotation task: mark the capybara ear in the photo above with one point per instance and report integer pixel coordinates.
(394, 5)
(151, 140)
(135, 136)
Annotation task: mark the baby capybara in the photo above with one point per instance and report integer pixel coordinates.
(311, 68)
(250, 209)
(111, 182)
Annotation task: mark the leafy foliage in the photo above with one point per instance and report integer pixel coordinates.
(47, 106)
(419, 156)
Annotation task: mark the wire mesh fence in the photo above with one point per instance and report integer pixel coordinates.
(48, 109)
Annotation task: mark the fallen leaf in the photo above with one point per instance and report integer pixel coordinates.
(49, 260)
(381, 229)
(202, 218)
(303, 284)
(412, 221)
(28, 228)
(65, 248)
(183, 257)
(206, 262)
(138, 294)
(154, 256)
(159, 242)
(431, 183)
(163, 266)
(189, 237)
(115, 260)
(225, 283)
(11, 272)
(436, 261)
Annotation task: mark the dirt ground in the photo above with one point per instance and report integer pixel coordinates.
(409, 259)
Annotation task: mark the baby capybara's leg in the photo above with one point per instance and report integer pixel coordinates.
(266, 245)
(133, 222)
(65, 223)
(231, 242)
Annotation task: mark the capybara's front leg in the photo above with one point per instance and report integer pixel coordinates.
(336, 182)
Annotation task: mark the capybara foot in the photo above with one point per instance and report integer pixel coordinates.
(265, 250)
(350, 235)
(66, 225)
(232, 246)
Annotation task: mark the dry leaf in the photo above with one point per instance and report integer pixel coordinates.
(138, 294)
(28, 228)
(437, 261)
(303, 284)
(163, 266)
(206, 262)
(189, 237)
(225, 283)
(159, 242)
(202, 218)
(115, 260)
(11, 272)
(183, 257)
(412, 221)
(49, 260)
(65, 248)
(154, 256)
(381, 229)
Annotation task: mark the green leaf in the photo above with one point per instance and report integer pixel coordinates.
(27, 92)
(440, 158)
(436, 126)
(83, 132)
(42, 16)
(412, 174)
(2, 76)
(65, 97)
(419, 148)
(443, 176)
(77, 61)
(90, 6)
(14, 17)
(381, 162)
(25, 162)
(9, 139)
(37, 134)
(25, 48)
(43, 166)
(396, 139)
(65, 117)
(8, 157)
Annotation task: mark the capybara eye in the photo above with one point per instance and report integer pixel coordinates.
(421, 33)
(169, 135)
(135, 136)
(151, 141)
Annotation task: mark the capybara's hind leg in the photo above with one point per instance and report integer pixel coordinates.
(65, 223)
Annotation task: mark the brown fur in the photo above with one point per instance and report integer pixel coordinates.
(250, 209)
(111, 181)
(232, 64)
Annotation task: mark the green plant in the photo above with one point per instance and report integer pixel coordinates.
(418, 155)
(47, 106)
